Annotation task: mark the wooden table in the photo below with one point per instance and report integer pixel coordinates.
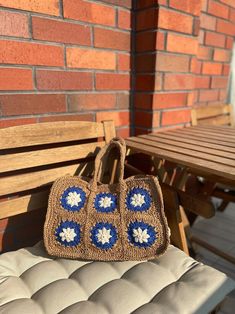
(208, 151)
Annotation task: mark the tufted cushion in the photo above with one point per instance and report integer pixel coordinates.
(31, 282)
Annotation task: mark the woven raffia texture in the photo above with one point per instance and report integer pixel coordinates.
(122, 221)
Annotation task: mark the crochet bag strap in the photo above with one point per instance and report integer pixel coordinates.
(115, 142)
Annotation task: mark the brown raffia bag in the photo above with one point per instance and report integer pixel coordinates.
(106, 222)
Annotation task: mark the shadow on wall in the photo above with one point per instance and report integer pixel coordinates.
(144, 80)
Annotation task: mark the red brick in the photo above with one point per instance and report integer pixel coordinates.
(172, 62)
(124, 62)
(223, 95)
(208, 95)
(121, 3)
(222, 55)
(59, 31)
(204, 4)
(214, 39)
(184, 44)
(123, 132)
(106, 38)
(5, 123)
(147, 19)
(218, 9)
(148, 3)
(212, 68)
(202, 82)
(124, 19)
(160, 100)
(86, 102)
(16, 79)
(192, 6)
(12, 105)
(68, 117)
(229, 2)
(147, 119)
(89, 12)
(195, 66)
(175, 117)
(175, 21)
(201, 37)
(90, 59)
(63, 80)
(106, 81)
(225, 27)
(208, 21)
(149, 41)
(232, 15)
(190, 101)
(169, 100)
(204, 53)
(229, 42)
(17, 52)
(178, 81)
(196, 26)
(148, 82)
(13, 24)
(219, 82)
(50, 7)
(119, 117)
(123, 100)
(226, 69)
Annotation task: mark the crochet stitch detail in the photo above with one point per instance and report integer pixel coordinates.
(105, 202)
(141, 234)
(73, 199)
(104, 235)
(138, 199)
(68, 233)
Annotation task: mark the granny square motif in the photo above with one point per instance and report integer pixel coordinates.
(107, 222)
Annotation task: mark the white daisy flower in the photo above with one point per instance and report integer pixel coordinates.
(137, 200)
(140, 235)
(105, 202)
(68, 234)
(103, 235)
(73, 199)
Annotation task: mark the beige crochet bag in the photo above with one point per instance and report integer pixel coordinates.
(106, 222)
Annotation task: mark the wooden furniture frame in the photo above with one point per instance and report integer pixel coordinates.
(34, 156)
(212, 115)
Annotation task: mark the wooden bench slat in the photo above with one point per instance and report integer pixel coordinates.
(24, 204)
(47, 133)
(27, 181)
(184, 140)
(211, 111)
(202, 138)
(227, 130)
(198, 148)
(48, 156)
(190, 161)
(220, 120)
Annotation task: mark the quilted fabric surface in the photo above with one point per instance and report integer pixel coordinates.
(31, 282)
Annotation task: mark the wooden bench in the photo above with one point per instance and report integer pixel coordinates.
(212, 115)
(32, 158)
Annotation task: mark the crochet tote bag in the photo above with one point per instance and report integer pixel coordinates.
(106, 222)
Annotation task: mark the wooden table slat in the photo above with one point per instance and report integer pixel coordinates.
(187, 152)
(211, 134)
(172, 136)
(223, 130)
(202, 138)
(193, 162)
(179, 144)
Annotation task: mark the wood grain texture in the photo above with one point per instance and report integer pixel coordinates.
(212, 115)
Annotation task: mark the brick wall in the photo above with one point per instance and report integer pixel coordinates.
(182, 56)
(65, 60)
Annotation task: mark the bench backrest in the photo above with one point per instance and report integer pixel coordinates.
(33, 156)
(212, 115)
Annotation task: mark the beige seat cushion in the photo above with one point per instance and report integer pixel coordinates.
(31, 282)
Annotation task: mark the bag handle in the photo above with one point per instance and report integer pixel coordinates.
(115, 142)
